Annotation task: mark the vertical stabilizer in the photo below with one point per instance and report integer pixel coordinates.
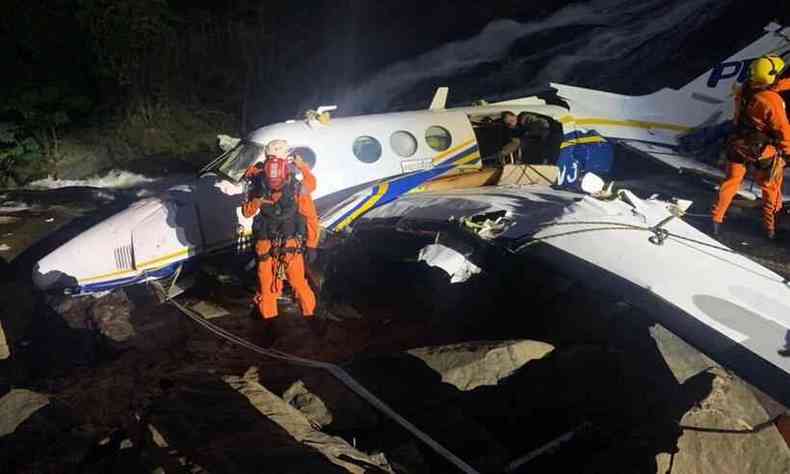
(439, 99)
(716, 84)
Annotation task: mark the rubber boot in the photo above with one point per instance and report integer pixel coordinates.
(716, 229)
(269, 332)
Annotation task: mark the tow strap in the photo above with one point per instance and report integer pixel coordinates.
(335, 371)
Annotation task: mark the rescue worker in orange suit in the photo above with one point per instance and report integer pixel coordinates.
(307, 209)
(285, 226)
(761, 139)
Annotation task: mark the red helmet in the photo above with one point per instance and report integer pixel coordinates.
(276, 172)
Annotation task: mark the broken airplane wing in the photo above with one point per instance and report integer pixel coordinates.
(732, 308)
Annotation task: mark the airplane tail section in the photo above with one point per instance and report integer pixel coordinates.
(664, 115)
(717, 83)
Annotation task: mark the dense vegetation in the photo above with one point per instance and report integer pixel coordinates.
(109, 81)
(94, 84)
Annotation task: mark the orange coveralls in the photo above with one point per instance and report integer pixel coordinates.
(270, 285)
(767, 111)
(307, 206)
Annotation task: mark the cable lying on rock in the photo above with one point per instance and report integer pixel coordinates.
(338, 373)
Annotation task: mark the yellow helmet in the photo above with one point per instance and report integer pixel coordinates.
(763, 71)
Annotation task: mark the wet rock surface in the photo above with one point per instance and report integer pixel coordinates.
(470, 365)
(494, 369)
(111, 316)
(335, 449)
(16, 406)
(5, 350)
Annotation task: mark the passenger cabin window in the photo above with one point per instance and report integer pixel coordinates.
(403, 143)
(438, 138)
(367, 149)
(307, 154)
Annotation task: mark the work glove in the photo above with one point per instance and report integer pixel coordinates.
(311, 254)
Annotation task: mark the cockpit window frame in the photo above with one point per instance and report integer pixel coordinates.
(216, 165)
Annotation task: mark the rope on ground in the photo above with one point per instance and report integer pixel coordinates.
(338, 373)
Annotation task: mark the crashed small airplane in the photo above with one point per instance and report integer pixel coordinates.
(430, 166)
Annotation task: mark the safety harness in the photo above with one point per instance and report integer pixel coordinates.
(278, 222)
(748, 142)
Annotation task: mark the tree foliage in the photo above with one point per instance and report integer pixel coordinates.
(126, 35)
(39, 115)
(15, 150)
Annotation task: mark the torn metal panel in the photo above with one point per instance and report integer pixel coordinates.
(451, 261)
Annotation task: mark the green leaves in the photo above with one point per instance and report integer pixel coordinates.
(15, 150)
(48, 106)
(39, 115)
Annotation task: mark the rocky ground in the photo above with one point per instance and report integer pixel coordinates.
(494, 369)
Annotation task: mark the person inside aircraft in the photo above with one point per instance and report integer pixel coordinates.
(534, 133)
(761, 140)
(509, 121)
(281, 228)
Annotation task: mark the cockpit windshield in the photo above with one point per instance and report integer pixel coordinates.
(239, 159)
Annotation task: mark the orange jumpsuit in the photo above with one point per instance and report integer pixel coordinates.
(767, 111)
(307, 206)
(290, 263)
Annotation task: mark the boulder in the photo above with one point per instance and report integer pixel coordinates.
(729, 430)
(74, 311)
(472, 364)
(41, 435)
(16, 406)
(5, 351)
(292, 421)
(726, 434)
(111, 315)
(311, 406)
(325, 401)
(685, 414)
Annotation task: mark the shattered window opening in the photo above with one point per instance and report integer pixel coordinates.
(239, 159)
(307, 154)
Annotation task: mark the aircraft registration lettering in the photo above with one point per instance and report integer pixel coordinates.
(728, 70)
(407, 166)
(737, 69)
(565, 177)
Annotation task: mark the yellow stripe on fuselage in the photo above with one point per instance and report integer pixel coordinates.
(582, 141)
(155, 263)
(624, 123)
(468, 159)
(369, 203)
(438, 158)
